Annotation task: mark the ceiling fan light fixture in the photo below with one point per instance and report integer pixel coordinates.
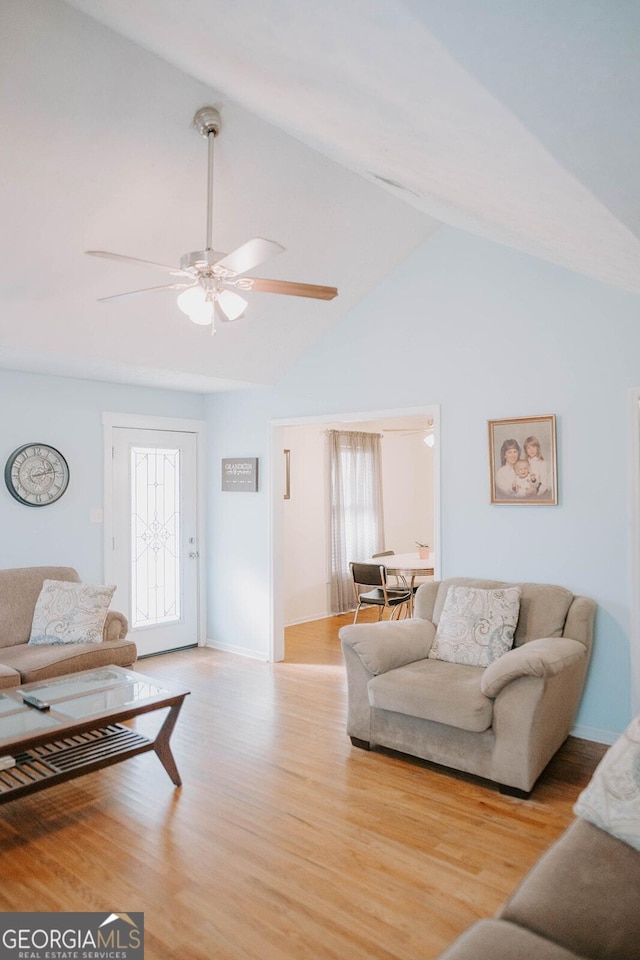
(194, 303)
(232, 304)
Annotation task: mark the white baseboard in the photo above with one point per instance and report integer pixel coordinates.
(237, 651)
(592, 733)
(318, 616)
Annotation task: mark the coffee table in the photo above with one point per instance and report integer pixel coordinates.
(83, 729)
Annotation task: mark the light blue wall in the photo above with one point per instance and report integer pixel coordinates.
(483, 331)
(67, 414)
(488, 333)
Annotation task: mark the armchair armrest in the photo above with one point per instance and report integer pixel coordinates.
(537, 658)
(389, 644)
(116, 626)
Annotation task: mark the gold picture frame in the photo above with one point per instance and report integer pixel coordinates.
(531, 477)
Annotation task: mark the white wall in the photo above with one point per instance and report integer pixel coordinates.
(305, 555)
(67, 414)
(487, 333)
(407, 478)
(407, 484)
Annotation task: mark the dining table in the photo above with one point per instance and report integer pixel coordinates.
(407, 566)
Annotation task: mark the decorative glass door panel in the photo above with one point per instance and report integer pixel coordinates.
(156, 558)
(155, 536)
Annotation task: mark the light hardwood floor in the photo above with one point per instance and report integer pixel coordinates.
(284, 842)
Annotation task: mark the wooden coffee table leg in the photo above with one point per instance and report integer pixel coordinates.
(161, 743)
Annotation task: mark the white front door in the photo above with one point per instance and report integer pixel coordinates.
(155, 548)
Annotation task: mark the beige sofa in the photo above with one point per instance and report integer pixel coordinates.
(23, 663)
(503, 722)
(581, 901)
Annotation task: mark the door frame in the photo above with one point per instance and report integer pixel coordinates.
(276, 585)
(634, 565)
(134, 421)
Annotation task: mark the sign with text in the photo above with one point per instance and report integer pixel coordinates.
(240, 474)
(71, 936)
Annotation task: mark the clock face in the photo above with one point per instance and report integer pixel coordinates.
(36, 474)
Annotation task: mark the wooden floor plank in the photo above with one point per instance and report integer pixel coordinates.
(284, 841)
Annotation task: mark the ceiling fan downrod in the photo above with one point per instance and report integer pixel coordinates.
(207, 121)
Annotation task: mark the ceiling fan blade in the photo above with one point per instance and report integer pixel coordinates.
(133, 293)
(294, 289)
(249, 255)
(147, 263)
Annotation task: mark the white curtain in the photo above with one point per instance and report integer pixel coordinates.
(355, 465)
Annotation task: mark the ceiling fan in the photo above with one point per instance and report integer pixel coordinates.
(426, 431)
(209, 280)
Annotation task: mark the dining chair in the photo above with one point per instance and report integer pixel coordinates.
(389, 553)
(401, 583)
(375, 575)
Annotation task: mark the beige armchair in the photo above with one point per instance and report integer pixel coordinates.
(503, 722)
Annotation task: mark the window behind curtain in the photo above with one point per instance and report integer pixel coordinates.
(355, 464)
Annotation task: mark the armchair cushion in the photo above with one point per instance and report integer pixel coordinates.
(435, 690)
(392, 644)
(476, 625)
(68, 612)
(537, 658)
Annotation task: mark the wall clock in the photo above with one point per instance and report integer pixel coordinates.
(36, 474)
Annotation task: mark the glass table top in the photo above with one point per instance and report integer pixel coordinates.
(74, 697)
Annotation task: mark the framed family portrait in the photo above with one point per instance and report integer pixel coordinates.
(522, 458)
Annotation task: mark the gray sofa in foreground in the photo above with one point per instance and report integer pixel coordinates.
(581, 901)
(21, 662)
(502, 722)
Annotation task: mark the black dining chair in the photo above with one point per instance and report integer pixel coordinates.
(400, 581)
(390, 553)
(375, 575)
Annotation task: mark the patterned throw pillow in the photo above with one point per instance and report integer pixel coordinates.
(70, 612)
(476, 626)
(612, 799)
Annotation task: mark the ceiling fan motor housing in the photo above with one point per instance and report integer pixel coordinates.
(202, 262)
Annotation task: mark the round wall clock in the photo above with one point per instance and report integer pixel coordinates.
(36, 474)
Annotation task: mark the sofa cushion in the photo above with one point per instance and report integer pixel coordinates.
(476, 625)
(70, 612)
(612, 799)
(500, 940)
(41, 661)
(9, 677)
(434, 690)
(543, 607)
(583, 894)
(19, 589)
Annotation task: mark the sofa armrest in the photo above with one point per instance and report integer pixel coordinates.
(537, 658)
(116, 626)
(389, 644)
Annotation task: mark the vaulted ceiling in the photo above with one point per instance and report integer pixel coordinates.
(351, 131)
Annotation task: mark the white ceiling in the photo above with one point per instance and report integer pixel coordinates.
(515, 121)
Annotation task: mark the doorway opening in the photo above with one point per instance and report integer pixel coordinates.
(300, 521)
